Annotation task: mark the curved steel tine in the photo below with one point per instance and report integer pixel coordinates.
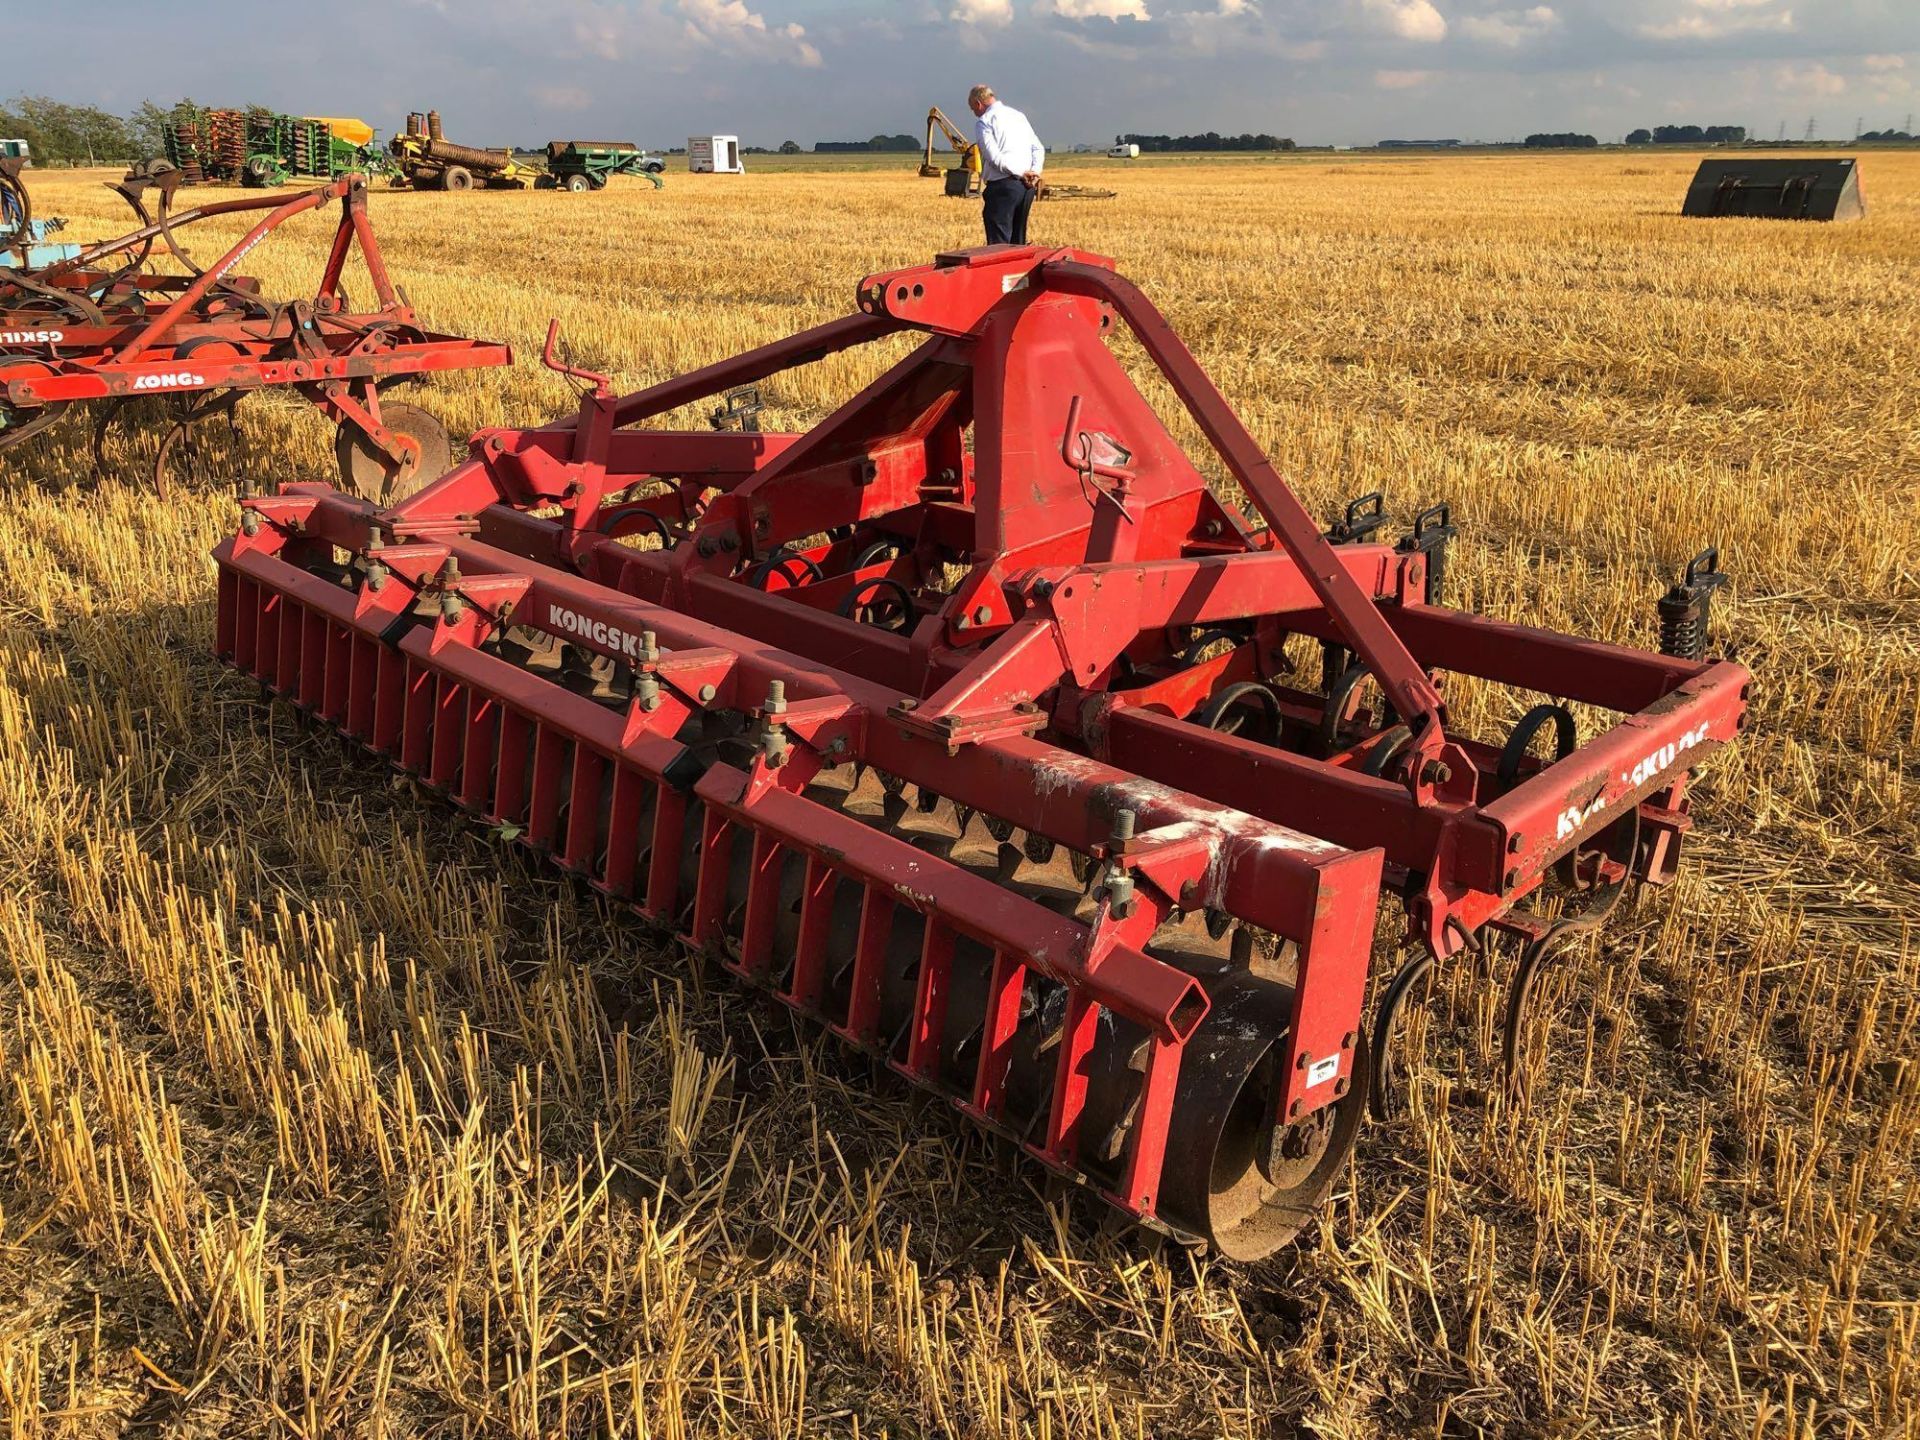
(1382, 1097)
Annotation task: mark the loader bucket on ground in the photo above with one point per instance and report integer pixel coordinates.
(1776, 189)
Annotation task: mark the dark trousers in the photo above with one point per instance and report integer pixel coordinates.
(1007, 203)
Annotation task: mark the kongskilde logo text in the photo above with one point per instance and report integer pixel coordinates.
(1575, 817)
(32, 337)
(612, 637)
(168, 380)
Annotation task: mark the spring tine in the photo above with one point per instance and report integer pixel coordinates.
(1004, 994)
(763, 899)
(623, 831)
(363, 689)
(710, 893)
(389, 698)
(339, 652)
(449, 734)
(286, 647)
(583, 810)
(510, 789)
(313, 658)
(663, 867)
(929, 1019)
(549, 757)
(266, 658)
(869, 967)
(417, 724)
(249, 604)
(229, 593)
(476, 763)
(1152, 1114)
(816, 928)
(1070, 1079)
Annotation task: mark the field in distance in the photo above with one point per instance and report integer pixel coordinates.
(324, 1113)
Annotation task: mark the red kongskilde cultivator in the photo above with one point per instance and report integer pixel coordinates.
(1031, 767)
(100, 327)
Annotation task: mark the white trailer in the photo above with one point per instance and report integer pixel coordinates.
(1124, 152)
(714, 155)
(18, 148)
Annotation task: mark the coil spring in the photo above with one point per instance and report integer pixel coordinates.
(1683, 625)
(1686, 608)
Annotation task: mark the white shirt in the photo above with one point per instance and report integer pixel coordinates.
(1008, 145)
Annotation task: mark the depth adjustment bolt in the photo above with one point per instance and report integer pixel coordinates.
(1119, 880)
(773, 734)
(452, 607)
(250, 522)
(1436, 772)
(375, 572)
(649, 648)
(646, 690)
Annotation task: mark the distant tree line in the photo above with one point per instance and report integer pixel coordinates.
(1886, 135)
(1689, 135)
(1211, 140)
(1565, 140)
(889, 144)
(61, 134)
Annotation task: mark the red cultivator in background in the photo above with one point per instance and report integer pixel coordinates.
(83, 329)
(1028, 766)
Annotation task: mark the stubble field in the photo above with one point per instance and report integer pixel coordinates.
(323, 1113)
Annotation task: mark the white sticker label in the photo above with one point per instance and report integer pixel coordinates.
(1321, 1071)
(32, 337)
(1011, 283)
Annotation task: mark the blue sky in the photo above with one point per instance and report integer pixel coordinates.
(1322, 71)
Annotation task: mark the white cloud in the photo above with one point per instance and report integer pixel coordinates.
(730, 25)
(1408, 19)
(1711, 19)
(562, 97)
(1096, 9)
(1510, 29)
(1237, 7)
(1815, 80)
(1880, 64)
(983, 12)
(1401, 79)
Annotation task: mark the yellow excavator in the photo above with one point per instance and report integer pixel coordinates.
(964, 178)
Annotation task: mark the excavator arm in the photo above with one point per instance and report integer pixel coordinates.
(968, 152)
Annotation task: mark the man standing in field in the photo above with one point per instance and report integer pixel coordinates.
(1011, 159)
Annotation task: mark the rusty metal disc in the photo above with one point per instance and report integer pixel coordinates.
(1234, 1176)
(366, 471)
